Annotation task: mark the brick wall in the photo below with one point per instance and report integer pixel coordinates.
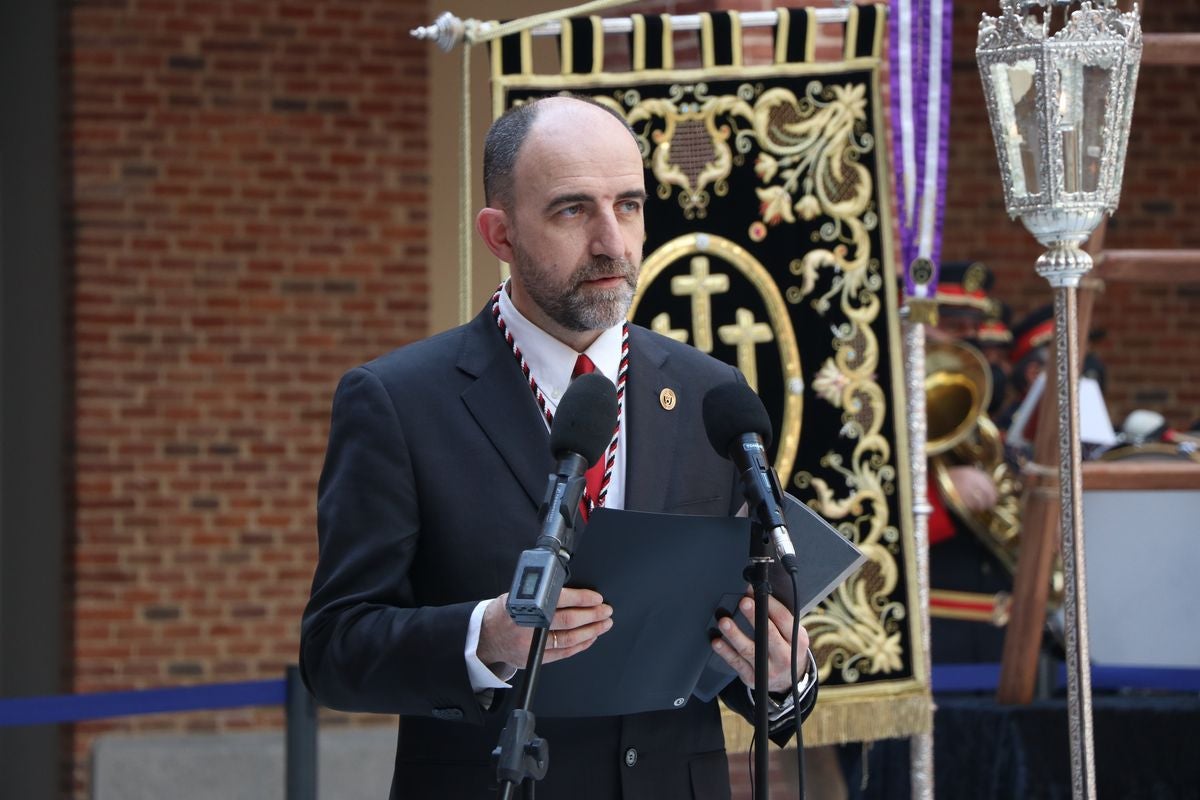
(247, 205)
(247, 208)
(1152, 342)
(1152, 346)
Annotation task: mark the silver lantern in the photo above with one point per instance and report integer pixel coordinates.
(1060, 100)
(1060, 105)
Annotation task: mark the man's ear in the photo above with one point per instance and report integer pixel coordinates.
(495, 230)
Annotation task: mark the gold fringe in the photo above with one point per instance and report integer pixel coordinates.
(848, 720)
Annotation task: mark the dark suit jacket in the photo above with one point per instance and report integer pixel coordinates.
(437, 461)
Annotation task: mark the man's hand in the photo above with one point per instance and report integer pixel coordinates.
(738, 649)
(581, 618)
(974, 486)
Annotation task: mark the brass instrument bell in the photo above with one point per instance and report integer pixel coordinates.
(958, 389)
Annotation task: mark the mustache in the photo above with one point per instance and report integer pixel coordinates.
(598, 267)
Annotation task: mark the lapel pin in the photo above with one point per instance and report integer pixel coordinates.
(667, 399)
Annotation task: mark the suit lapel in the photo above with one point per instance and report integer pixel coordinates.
(500, 401)
(652, 432)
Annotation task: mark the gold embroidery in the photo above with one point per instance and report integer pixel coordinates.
(701, 286)
(746, 334)
(720, 252)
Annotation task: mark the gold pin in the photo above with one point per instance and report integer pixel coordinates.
(667, 400)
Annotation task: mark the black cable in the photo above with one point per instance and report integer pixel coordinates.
(795, 685)
(750, 765)
(795, 700)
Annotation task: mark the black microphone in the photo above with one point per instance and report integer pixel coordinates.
(739, 429)
(582, 429)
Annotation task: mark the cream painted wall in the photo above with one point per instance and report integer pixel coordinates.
(445, 119)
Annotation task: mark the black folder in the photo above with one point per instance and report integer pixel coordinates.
(666, 576)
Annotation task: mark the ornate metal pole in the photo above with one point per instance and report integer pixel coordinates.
(921, 760)
(1079, 675)
(1060, 106)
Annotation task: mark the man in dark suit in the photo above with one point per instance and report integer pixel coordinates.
(437, 461)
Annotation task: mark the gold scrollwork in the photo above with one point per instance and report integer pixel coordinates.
(692, 150)
(858, 630)
(810, 148)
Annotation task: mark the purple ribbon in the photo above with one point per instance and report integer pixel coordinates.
(919, 139)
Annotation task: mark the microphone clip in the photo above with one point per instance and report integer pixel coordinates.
(542, 570)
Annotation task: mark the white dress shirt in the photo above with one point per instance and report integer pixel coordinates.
(550, 363)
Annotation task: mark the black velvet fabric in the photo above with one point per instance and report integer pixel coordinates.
(654, 37)
(798, 35)
(581, 44)
(1145, 749)
(722, 30)
(510, 54)
(868, 18)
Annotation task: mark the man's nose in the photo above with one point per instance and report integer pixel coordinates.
(607, 237)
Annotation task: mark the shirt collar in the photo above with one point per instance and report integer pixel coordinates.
(550, 361)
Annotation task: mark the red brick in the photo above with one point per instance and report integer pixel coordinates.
(247, 254)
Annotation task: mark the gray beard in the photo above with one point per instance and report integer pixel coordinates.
(577, 309)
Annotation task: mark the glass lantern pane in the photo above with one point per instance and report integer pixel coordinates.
(1017, 125)
(1124, 119)
(1082, 102)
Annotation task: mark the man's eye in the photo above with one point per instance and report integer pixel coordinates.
(630, 206)
(571, 211)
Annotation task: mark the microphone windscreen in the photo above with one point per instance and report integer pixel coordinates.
(585, 419)
(731, 410)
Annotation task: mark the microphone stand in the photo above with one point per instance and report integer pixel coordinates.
(521, 756)
(757, 573)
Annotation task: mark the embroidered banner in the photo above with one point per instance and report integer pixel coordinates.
(768, 247)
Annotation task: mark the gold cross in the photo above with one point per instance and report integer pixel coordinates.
(701, 286)
(746, 334)
(662, 324)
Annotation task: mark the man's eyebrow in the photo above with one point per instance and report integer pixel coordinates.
(568, 199)
(582, 197)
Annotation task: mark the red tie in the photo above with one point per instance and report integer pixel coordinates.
(595, 474)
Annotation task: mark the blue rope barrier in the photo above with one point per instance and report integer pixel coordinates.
(213, 696)
(101, 705)
(986, 677)
(965, 677)
(1174, 679)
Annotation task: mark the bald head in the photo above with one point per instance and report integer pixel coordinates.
(566, 193)
(558, 119)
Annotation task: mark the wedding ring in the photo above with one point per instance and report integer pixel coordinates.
(553, 640)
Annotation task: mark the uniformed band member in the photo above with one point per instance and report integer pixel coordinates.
(967, 581)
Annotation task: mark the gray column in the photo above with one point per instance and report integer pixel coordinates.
(33, 517)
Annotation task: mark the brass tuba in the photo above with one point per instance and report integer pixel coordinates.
(958, 389)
